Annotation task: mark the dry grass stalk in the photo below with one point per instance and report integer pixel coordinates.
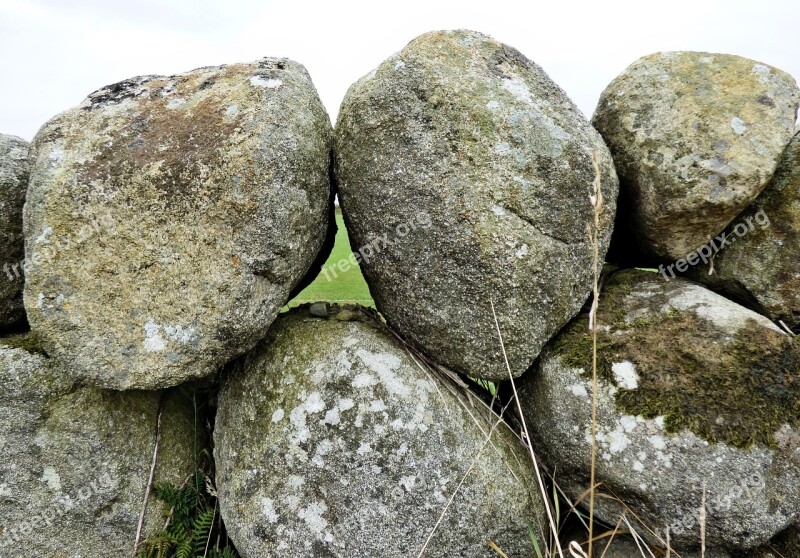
(597, 203)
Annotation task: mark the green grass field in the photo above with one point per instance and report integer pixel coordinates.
(345, 287)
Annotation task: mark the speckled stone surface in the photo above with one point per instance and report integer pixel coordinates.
(673, 350)
(76, 460)
(762, 265)
(331, 441)
(13, 184)
(168, 219)
(695, 137)
(467, 173)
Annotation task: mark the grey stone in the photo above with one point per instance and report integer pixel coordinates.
(694, 393)
(14, 170)
(76, 460)
(465, 177)
(169, 218)
(760, 263)
(319, 309)
(695, 138)
(332, 441)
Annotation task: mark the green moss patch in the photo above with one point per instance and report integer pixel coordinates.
(26, 341)
(739, 390)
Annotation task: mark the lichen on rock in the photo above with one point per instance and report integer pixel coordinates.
(332, 441)
(168, 220)
(697, 398)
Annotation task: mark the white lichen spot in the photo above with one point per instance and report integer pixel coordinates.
(738, 125)
(278, 415)
(296, 481)
(385, 364)
(267, 83)
(518, 88)
(364, 380)
(638, 466)
(51, 477)
(332, 417)
(522, 252)
(617, 441)
(399, 65)
(175, 103)
(706, 59)
(763, 72)
(578, 390)
(346, 404)
(502, 148)
(268, 510)
(408, 483)
(44, 237)
(231, 111)
(498, 211)
(314, 403)
(625, 374)
(180, 333)
(492, 105)
(377, 406)
(152, 337)
(312, 515)
(364, 448)
(56, 155)
(658, 442)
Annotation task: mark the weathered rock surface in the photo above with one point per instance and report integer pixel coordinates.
(168, 219)
(760, 267)
(332, 441)
(694, 391)
(13, 183)
(76, 460)
(465, 176)
(695, 138)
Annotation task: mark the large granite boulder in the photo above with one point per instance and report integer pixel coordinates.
(168, 219)
(76, 461)
(332, 441)
(696, 393)
(759, 265)
(465, 177)
(695, 138)
(13, 183)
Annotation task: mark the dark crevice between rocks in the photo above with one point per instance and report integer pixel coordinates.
(192, 508)
(330, 236)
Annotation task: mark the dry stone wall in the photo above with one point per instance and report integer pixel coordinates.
(167, 220)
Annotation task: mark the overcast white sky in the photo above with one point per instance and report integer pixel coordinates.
(55, 52)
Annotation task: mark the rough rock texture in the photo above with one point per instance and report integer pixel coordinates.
(760, 267)
(331, 441)
(466, 173)
(694, 390)
(13, 183)
(695, 138)
(76, 460)
(168, 219)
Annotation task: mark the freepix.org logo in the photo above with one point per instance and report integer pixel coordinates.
(707, 252)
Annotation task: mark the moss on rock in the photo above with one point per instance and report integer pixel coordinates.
(738, 389)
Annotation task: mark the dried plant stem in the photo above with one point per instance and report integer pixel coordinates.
(597, 203)
(539, 480)
(149, 486)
